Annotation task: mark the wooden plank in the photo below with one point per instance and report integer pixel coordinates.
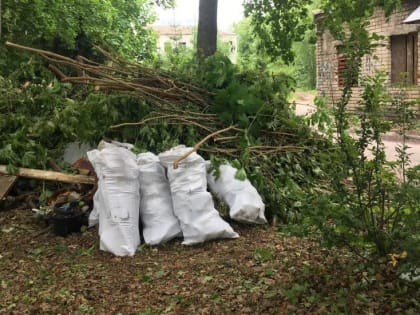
(52, 176)
(410, 59)
(414, 54)
(398, 57)
(6, 183)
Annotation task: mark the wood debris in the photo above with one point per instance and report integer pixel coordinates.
(50, 175)
(174, 102)
(6, 183)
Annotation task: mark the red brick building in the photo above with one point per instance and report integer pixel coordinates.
(398, 56)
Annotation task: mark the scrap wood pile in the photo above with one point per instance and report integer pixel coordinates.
(174, 102)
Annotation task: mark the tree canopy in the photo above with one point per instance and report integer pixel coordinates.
(278, 23)
(72, 26)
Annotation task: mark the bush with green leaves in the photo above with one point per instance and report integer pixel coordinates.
(366, 206)
(369, 206)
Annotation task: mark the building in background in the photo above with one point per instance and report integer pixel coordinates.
(398, 56)
(177, 36)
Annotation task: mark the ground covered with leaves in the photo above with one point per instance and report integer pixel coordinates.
(262, 272)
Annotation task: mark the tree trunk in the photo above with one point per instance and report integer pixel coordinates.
(0, 18)
(207, 28)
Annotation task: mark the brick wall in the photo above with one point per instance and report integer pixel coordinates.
(327, 58)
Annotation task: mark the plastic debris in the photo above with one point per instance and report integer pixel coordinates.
(117, 200)
(193, 205)
(156, 210)
(245, 204)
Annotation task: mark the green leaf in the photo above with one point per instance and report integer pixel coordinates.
(241, 174)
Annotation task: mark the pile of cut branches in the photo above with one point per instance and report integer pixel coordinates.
(168, 96)
(157, 87)
(245, 121)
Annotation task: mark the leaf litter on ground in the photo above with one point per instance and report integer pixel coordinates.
(262, 272)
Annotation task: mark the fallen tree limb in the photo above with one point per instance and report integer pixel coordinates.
(174, 102)
(200, 143)
(151, 84)
(49, 175)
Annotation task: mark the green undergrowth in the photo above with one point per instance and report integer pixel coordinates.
(330, 188)
(40, 116)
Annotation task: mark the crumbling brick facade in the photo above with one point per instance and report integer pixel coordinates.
(387, 57)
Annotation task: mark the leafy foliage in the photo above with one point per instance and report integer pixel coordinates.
(369, 204)
(278, 23)
(72, 26)
(256, 100)
(353, 200)
(26, 128)
(252, 55)
(40, 116)
(369, 207)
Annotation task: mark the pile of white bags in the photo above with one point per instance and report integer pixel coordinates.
(193, 205)
(156, 210)
(171, 205)
(245, 204)
(117, 199)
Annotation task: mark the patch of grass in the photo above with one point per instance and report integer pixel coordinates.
(45, 275)
(180, 299)
(263, 255)
(61, 248)
(294, 293)
(147, 277)
(86, 309)
(269, 272)
(77, 267)
(215, 297)
(161, 273)
(81, 251)
(37, 251)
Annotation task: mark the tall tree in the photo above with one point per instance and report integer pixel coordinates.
(207, 28)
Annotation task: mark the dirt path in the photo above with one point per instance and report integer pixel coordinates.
(304, 102)
(305, 106)
(262, 272)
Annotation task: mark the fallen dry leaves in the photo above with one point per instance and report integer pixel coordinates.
(262, 272)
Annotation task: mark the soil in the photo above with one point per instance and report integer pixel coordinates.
(304, 97)
(262, 272)
(304, 102)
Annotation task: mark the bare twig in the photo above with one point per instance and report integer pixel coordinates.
(199, 144)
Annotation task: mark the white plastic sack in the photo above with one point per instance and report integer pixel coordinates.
(193, 205)
(245, 204)
(117, 200)
(94, 214)
(156, 210)
(104, 144)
